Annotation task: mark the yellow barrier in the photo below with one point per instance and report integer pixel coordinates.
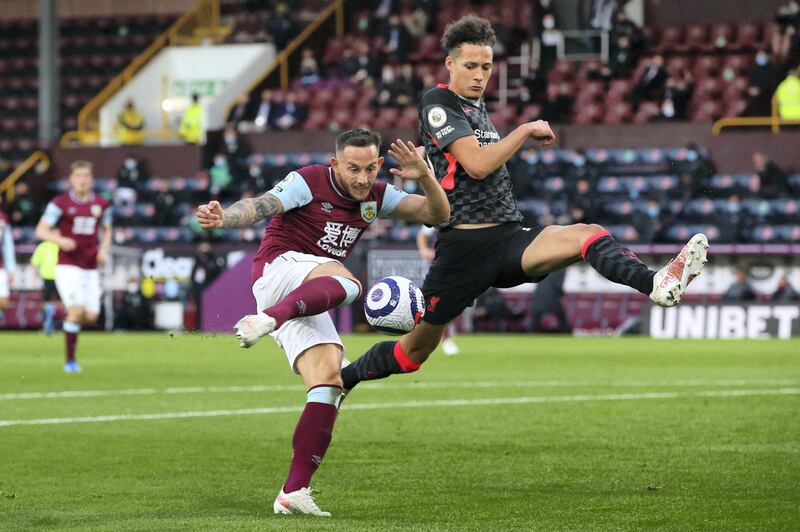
(7, 185)
(774, 121)
(205, 13)
(282, 60)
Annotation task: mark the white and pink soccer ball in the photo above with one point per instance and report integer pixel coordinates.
(394, 305)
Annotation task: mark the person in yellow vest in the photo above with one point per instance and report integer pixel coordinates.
(191, 128)
(45, 258)
(130, 125)
(788, 95)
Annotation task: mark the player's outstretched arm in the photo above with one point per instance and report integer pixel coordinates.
(480, 161)
(432, 208)
(243, 213)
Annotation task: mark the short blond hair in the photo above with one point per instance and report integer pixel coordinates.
(77, 165)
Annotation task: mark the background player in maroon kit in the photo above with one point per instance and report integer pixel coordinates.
(319, 213)
(73, 221)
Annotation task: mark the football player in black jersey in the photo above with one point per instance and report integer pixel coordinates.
(483, 243)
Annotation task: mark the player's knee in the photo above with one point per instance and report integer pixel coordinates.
(88, 319)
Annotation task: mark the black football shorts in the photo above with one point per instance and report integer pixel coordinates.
(468, 261)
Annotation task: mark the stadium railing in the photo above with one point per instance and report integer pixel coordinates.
(774, 121)
(281, 63)
(36, 158)
(202, 21)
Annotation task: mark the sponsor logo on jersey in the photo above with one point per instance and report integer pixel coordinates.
(96, 211)
(437, 116)
(369, 210)
(444, 131)
(326, 207)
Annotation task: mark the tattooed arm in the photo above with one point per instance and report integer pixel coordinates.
(243, 213)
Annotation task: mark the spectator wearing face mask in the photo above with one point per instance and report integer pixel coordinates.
(220, 174)
(763, 81)
(647, 221)
(131, 181)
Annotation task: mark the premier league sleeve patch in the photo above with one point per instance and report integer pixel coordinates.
(369, 211)
(437, 116)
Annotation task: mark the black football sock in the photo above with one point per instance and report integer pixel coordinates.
(380, 361)
(616, 263)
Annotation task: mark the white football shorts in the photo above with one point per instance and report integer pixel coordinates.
(78, 287)
(285, 273)
(4, 288)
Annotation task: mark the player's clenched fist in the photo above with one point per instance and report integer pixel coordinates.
(540, 130)
(210, 215)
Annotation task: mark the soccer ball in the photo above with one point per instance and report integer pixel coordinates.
(394, 305)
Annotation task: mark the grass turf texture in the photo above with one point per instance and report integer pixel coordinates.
(586, 462)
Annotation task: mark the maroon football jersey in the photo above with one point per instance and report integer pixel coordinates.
(328, 226)
(81, 222)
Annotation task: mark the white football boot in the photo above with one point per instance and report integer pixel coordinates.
(450, 347)
(671, 281)
(297, 502)
(252, 327)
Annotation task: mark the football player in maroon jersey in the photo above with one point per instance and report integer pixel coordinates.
(318, 215)
(79, 222)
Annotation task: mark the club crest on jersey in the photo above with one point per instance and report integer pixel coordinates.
(437, 116)
(96, 211)
(369, 210)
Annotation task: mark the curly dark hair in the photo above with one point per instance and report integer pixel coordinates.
(467, 30)
(359, 138)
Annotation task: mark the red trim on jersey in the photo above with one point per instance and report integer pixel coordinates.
(406, 364)
(449, 180)
(442, 86)
(591, 240)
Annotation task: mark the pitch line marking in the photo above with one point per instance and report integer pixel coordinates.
(408, 404)
(69, 394)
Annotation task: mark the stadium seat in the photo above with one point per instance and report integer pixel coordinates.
(697, 36)
(670, 38)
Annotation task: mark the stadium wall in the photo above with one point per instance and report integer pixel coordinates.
(165, 161)
(27, 9)
(676, 12)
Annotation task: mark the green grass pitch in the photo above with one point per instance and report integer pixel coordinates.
(515, 433)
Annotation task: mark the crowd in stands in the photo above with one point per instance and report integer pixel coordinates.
(698, 72)
(648, 195)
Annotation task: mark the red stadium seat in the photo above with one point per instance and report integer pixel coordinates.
(735, 107)
(706, 65)
(646, 111)
(740, 63)
(747, 36)
(589, 114)
(618, 113)
(696, 39)
(707, 111)
(670, 37)
(428, 49)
